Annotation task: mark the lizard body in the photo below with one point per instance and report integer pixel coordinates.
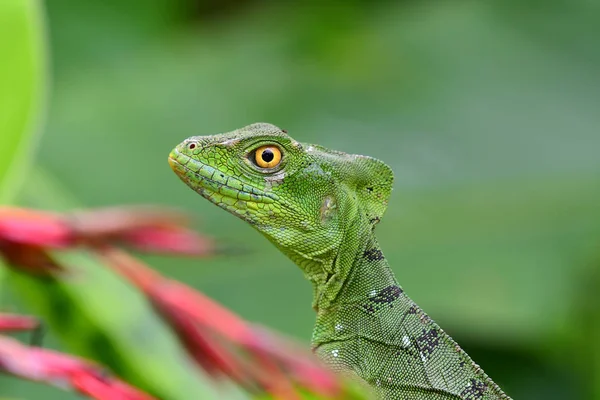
(320, 208)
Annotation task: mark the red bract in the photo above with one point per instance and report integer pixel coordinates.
(14, 322)
(147, 228)
(219, 341)
(54, 368)
(195, 318)
(33, 228)
(25, 235)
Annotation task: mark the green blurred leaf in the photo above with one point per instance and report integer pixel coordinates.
(22, 77)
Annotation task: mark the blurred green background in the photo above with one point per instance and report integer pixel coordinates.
(488, 112)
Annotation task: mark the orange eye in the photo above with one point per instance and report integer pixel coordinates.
(267, 156)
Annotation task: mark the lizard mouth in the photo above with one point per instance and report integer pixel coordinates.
(216, 186)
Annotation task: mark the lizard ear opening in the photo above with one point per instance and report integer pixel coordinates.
(374, 181)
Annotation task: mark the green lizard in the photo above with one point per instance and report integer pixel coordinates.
(320, 207)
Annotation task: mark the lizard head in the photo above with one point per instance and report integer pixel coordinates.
(302, 197)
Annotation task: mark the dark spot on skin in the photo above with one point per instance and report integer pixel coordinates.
(475, 390)
(284, 130)
(384, 296)
(369, 308)
(424, 318)
(428, 341)
(373, 255)
(370, 189)
(222, 176)
(462, 364)
(387, 295)
(374, 220)
(412, 310)
(410, 351)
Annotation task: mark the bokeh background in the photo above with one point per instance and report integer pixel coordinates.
(488, 112)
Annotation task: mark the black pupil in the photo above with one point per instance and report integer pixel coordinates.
(267, 155)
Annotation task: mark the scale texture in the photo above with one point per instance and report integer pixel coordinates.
(320, 208)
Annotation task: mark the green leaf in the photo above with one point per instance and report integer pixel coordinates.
(22, 79)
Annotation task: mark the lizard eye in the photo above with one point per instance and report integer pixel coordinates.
(267, 156)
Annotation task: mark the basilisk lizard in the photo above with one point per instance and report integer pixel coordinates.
(320, 208)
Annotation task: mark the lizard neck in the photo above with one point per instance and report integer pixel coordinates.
(351, 272)
(348, 270)
(362, 281)
(360, 273)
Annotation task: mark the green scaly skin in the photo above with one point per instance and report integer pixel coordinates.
(320, 207)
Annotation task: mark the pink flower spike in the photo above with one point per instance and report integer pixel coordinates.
(170, 240)
(130, 392)
(208, 352)
(33, 228)
(65, 371)
(31, 259)
(148, 229)
(176, 302)
(145, 228)
(90, 385)
(208, 313)
(155, 287)
(304, 368)
(13, 323)
(101, 387)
